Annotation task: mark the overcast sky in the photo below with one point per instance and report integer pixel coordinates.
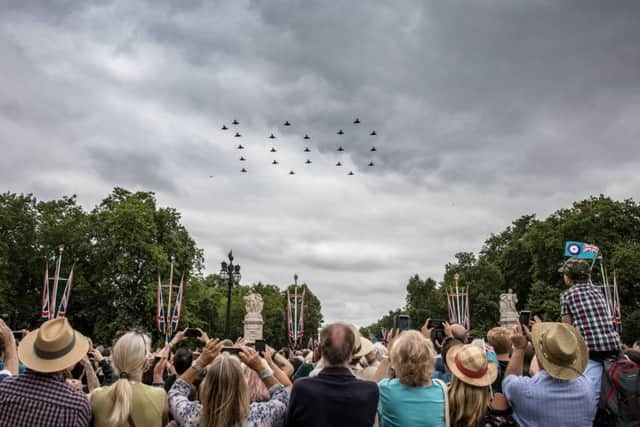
(485, 111)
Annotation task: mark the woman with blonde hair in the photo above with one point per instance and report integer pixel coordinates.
(128, 402)
(224, 393)
(412, 398)
(469, 391)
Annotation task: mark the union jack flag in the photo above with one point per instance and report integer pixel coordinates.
(45, 295)
(301, 322)
(590, 248)
(177, 308)
(66, 295)
(160, 317)
(289, 319)
(313, 343)
(385, 336)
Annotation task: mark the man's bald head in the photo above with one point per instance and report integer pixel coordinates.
(336, 343)
(459, 332)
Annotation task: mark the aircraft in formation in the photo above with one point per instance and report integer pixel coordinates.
(340, 148)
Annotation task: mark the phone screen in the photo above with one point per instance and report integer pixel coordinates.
(435, 324)
(231, 350)
(525, 317)
(260, 346)
(402, 322)
(192, 333)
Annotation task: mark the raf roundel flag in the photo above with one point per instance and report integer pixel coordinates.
(581, 250)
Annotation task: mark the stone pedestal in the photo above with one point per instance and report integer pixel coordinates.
(252, 330)
(253, 319)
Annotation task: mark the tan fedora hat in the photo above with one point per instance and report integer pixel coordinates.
(470, 365)
(560, 349)
(53, 347)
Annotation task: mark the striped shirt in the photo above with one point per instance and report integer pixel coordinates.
(588, 309)
(43, 400)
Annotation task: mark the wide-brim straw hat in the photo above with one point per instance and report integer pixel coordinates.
(469, 364)
(560, 349)
(53, 347)
(362, 346)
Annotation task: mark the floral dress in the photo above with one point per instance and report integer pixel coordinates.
(261, 414)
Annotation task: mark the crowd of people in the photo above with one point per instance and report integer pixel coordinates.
(541, 374)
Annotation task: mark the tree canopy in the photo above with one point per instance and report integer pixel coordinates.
(525, 257)
(119, 248)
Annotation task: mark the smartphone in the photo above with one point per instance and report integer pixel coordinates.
(402, 322)
(231, 350)
(260, 346)
(435, 324)
(192, 333)
(437, 335)
(525, 318)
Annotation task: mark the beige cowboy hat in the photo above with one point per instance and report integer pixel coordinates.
(53, 347)
(560, 349)
(469, 364)
(361, 346)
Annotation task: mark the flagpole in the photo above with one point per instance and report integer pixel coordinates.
(295, 311)
(56, 279)
(456, 278)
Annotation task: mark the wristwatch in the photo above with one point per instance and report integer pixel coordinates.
(199, 369)
(266, 373)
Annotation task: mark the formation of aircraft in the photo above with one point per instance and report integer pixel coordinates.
(308, 161)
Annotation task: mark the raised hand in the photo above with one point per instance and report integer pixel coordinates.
(210, 351)
(251, 358)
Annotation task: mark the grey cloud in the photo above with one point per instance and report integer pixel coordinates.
(485, 110)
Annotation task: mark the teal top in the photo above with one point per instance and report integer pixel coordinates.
(404, 406)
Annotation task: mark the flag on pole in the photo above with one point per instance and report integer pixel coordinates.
(177, 308)
(580, 250)
(289, 319)
(313, 343)
(45, 295)
(301, 322)
(385, 336)
(66, 294)
(160, 317)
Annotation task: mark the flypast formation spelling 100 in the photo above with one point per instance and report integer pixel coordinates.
(306, 136)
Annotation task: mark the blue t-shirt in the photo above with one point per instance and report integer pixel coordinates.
(404, 406)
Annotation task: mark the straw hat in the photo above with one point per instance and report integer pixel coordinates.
(560, 349)
(469, 364)
(361, 346)
(53, 347)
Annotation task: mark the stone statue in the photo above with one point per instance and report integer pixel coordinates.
(253, 305)
(253, 322)
(508, 311)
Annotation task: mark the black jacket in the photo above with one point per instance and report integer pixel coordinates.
(333, 398)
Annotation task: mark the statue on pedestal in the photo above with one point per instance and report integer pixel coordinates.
(253, 322)
(508, 311)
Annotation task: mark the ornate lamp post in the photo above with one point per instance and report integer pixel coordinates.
(231, 272)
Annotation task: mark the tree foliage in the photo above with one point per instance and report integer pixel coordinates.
(119, 248)
(526, 255)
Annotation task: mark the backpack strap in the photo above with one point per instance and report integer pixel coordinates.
(443, 386)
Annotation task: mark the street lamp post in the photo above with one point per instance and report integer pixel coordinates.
(231, 272)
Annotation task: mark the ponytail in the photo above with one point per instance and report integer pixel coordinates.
(122, 396)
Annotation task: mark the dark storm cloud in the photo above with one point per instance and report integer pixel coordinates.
(485, 110)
